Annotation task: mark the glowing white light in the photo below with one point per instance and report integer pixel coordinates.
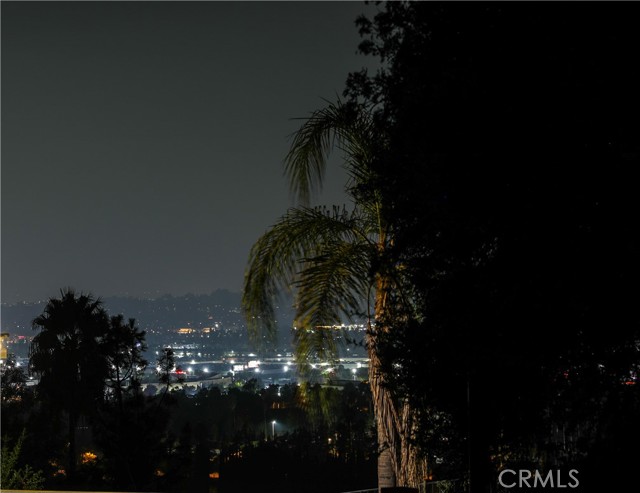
(286, 368)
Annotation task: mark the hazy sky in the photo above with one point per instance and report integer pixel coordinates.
(142, 143)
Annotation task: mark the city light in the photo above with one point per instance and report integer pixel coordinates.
(89, 457)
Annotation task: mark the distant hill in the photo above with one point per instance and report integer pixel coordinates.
(163, 316)
(165, 312)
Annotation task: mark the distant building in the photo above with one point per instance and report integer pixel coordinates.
(3, 346)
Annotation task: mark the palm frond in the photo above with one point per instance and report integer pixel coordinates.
(333, 286)
(277, 259)
(341, 125)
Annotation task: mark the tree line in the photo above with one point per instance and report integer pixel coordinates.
(88, 425)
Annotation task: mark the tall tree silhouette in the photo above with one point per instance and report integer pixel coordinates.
(124, 345)
(338, 263)
(513, 142)
(68, 358)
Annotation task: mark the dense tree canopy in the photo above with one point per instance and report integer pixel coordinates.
(514, 140)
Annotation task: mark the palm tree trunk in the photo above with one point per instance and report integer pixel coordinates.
(399, 463)
(383, 406)
(387, 465)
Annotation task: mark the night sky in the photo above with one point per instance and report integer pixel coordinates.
(142, 143)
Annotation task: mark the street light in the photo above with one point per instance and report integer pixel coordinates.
(273, 429)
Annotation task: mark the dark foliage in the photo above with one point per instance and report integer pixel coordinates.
(68, 348)
(514, 142)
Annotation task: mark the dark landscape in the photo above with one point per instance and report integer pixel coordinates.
(320, 247)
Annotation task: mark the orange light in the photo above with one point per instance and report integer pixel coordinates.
(88, 457)
(214, 475)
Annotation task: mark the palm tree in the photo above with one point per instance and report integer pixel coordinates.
(68, 358)
(337, 263)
